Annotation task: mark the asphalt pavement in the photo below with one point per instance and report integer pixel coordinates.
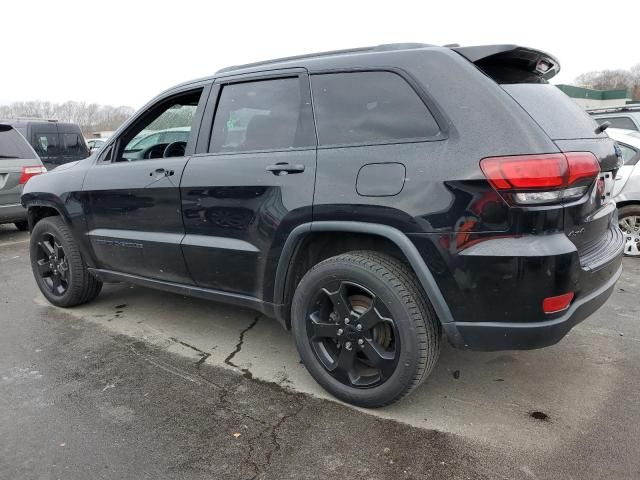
(143, 384)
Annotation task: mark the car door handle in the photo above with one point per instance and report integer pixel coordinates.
(161, 171)
(283, 168)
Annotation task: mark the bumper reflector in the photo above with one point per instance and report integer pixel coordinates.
(557, 304)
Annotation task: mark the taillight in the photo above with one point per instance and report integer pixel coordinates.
(540, 179)
(28, 172)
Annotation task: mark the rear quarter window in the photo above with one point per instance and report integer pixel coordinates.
(558, 115)
(369, 108)
(13, 145)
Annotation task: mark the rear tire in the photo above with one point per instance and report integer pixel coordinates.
(359, 364)
(58, 267)
(629, 222)
(22, 226)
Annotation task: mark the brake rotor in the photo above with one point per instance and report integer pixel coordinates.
(382, 333)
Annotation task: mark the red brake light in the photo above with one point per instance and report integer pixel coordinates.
(525, 171)
(558, 303)
(582, 166)
(28, 172)
(543, 178)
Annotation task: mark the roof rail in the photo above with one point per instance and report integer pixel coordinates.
(29, 119)
(379, 48)
(624, 108)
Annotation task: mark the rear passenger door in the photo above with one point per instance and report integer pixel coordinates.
(377, 143)
(252, 183)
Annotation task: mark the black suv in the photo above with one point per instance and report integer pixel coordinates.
(55, 142)
(368, 199)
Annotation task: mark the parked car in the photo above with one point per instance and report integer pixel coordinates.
(626, 192)
(55, 142)
(152, 137)
(94, 144)
(18, 163)
(626, 118)
(368, 199)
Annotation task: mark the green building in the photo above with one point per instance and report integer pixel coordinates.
(590, 98)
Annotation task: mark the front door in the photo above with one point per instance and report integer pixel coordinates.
(253, 183)
(132, 195)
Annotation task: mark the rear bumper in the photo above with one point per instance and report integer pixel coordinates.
(491, 336)
(495, 288)
(12, 213)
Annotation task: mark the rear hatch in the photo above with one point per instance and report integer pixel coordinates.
(523, 73)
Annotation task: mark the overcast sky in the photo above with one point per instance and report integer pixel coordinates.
(125, 52)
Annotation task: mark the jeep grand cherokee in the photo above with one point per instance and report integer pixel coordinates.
(368, 199)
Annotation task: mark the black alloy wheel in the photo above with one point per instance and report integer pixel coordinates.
(52, 264)
(364, 328)
(353, 335)
(58, 266)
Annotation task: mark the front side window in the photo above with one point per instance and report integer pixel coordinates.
(260, 115)
(368, 107)
(164, 132)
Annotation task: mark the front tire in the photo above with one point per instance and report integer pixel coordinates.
(58, 267)
(364, 328)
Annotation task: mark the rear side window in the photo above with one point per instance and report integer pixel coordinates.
(13, 145)
(368, 108)
(261, 115)
(618, 122)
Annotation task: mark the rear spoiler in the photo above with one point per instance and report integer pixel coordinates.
(492, 57)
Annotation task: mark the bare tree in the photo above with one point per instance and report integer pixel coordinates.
(90, 116)
(612, 79)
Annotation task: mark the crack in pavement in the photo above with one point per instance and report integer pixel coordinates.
(273, 434)
(203, 355)
(269, 431)
(245, 371)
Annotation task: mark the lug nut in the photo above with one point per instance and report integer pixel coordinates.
(360, 342)
(340, 331)
(358, 327)
(347, 345)
(346, 320)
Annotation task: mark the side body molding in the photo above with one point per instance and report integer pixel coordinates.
(396, 236)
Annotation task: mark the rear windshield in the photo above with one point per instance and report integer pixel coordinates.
(558, 115)
(13, 145)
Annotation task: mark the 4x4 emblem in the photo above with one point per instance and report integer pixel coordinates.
(575, 233)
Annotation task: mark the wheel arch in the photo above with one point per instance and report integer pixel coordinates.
(36, 211)
(626, 203)
(391, 238)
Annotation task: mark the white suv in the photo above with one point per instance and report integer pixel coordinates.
(627, 188)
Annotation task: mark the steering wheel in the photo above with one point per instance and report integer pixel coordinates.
(175, 149)
(155, 151)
